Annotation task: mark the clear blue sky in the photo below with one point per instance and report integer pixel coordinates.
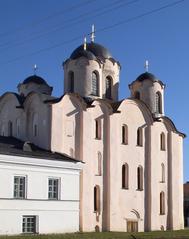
(45, 32)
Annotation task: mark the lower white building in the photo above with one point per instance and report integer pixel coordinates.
(39, 190)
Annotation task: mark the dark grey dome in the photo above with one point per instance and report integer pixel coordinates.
(93, 51)
(146, 76)
(35, 79)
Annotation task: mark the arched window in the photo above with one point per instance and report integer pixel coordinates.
(98, 129)
(35, 124)
(158, 103)
(162, 173)
(99, 168)
(10, 128)
(71, 82)
(18, 127)
(108, 87)
(139, 137)
(137, 95)
(97, 199)
(125, 176)
(162, 203)
(162, 141)
(140, 178)
(124, 134)
(95, 84)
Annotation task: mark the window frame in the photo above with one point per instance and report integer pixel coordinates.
(25, 227)
(140, 137)
(108, 87)
(95, 84)
(98, 129)
(53, 194)
(162, 142)
(19, 193)
(162, 203)
(96, 199)
(140, 178)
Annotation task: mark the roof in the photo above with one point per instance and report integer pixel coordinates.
(148, 76)
(13, 146)
(93, 51)
(35, 79)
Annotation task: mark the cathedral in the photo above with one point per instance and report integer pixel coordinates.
(128, 153)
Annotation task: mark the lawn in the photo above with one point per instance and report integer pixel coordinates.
(182, 234)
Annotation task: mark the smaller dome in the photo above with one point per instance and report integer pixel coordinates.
(93, 51)
(35, 79)
(146, 76)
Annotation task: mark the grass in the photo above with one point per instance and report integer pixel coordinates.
(182, 234)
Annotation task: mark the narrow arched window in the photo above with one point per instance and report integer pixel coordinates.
(35, 125)
(108, 87)
(162, 203)
(18, 127)
(158, 103)
(162, 141)
(125, 176)
(139, 137)
(10, 128)
(162, 173)
(97, 199)
(140, 178)
(98, 129)
(95, 84)
(124, 134)
(99, 168)
(71, 82)
(137, 95)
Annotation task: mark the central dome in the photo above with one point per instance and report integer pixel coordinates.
(35, 79)
(93, 50)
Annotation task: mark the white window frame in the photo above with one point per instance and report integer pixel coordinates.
(17, 192)
(58, 189)
(27, 226)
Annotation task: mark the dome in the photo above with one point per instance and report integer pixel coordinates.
(93, 51)
(146, 76)
(35, 79)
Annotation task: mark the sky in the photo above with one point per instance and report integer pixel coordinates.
(45, 33)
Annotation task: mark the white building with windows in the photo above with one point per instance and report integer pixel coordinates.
(39, 190)
(132, 176)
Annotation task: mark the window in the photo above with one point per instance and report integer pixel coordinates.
(99, 163)
(162, 141)
(108, 87)
(125, 176)
(158, 103)
(162, 203)
(162, 173)
(140, 178)
(95, 84)
(98, 129)
(10, 128)
(53, 188)
(139, 137)
(97, 199)
(19, 187)
(137, 95)
(29, 224)
(35, 124)
(71, 82)
(18, 127)
(124, 134)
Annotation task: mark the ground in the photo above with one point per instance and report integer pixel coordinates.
(182, 234)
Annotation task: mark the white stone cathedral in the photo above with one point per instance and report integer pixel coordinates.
(132, 154)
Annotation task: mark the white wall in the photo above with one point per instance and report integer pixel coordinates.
(54, 216)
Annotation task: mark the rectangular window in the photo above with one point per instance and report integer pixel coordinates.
(29, 224)
(53, 188)
(19, 187)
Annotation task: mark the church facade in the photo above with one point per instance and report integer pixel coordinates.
(132, 153)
